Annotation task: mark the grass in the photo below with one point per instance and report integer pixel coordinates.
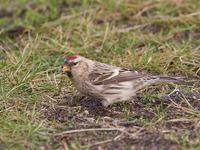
(160, 37)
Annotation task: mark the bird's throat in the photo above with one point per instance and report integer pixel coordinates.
(69, 74)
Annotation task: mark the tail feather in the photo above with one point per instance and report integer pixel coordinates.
(164, 79)
(176, 80)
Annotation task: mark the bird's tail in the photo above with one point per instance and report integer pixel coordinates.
(164, 79)
(176, 80)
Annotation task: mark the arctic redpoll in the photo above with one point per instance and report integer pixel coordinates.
(105, 82)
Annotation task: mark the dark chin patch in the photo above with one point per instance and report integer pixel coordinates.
(69, 74)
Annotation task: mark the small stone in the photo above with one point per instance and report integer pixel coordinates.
(86, 112)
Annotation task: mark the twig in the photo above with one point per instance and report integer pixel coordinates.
(167, 18)
(198, 72)
(191, 14)
(87, 130)
(50, 98)
(181, 120)
(128, 29)
(103, 142)
(193, 112)
(98, 143)
(175, 90)
(65, 145)
(188, 103)
(145, 9)
(137, 132)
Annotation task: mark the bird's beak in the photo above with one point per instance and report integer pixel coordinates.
(66, 68)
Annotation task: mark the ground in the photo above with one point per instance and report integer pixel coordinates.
(40, 109)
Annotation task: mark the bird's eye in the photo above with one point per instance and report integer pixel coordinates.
(74, 64)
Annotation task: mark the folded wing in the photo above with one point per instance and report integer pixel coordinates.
(106, 74)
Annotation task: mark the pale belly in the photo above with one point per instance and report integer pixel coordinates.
(109, 93)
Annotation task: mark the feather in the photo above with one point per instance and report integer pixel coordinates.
(107, 74)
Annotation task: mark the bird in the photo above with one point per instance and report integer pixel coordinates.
(107, 83)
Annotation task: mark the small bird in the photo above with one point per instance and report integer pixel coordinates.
(108, 83)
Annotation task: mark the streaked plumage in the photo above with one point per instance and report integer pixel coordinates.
(108, 83)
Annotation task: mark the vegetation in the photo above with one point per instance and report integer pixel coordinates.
(37, 104)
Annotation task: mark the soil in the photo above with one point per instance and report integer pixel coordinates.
(142, 127)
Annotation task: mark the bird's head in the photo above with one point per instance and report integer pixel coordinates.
(75, 66)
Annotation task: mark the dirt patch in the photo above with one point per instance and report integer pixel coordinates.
(146, 140)
(5, 13)
(186, 99)
(187, 36)
(132, 117)
(101, 140)
(155, 28)
(16, 31)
